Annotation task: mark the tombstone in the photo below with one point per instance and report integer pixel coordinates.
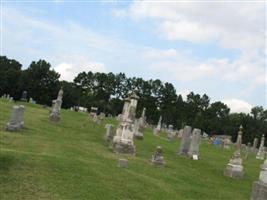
(247, 149)
(16, 121)
(180, 133)
(157, 158)
(138, 134)
(122, 163)
(123, 141)
(255, 144)
(93, 112)
(158, 128)
(259, 188)
(261, 152)
(109, 133)
(170, 133)
(24, 96)
(21, 113)
(234, 168)
(54, 115)
(185, 142)
(7, 96)
(194, 146)
(226, 143)
(101, 118)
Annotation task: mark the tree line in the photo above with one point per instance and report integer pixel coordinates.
(107, 91)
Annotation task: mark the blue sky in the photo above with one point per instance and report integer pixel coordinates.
(213, 48)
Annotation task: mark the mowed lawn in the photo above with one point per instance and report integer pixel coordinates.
(70, 160)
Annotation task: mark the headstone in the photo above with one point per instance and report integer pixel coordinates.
(16, 121)
(93, 112)
(109, 132)
(180, 133)
(194, 146)
(138, 131)
(255, 144)
(122, 163)
(54, 115)
(259, 188)
(170, 133)
(261, 152)
(157, 158)
(185, 142)
(234, 168)
(158, 128)
(24, 96)
(123, 141)
(248, 147)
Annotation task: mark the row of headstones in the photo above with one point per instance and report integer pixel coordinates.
(7, 97)
(23, 98)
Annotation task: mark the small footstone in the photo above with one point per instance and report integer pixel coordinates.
(122, 163)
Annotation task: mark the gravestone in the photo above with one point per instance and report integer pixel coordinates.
(170, 133)
(24, 96)
(261, 152)
(157, 158)
(122, 163)
(194, 146)
(109, 132)
(255, 144)
(259, 188)
(54, 115)
(138, 131)
(16, 121)
(185, 142)
(158, 128)
(247, 149)
(234, 168)
(123, 140)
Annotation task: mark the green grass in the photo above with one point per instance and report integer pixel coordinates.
(70, 160)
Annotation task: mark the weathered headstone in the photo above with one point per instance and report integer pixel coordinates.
(157, 158)
(158, 128)
(259, 188)
(54, 115)
(123, 141)
(122, 163)
(185, 142)
(109, 132)
(138, 131)
(261, 152)
(24, 96)
(170, 133)
(255, 144)
(16, 121)
(247, 149)
(194, 146)
(234, 168)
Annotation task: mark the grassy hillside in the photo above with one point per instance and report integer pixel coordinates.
(70, 160)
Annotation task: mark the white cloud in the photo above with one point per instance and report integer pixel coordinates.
(237, 105)
(76, 64)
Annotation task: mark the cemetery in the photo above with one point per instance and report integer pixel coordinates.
(133, 100)
(74, 159)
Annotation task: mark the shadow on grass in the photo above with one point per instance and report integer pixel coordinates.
(6, 161)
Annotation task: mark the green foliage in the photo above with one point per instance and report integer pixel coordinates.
(70, 160)
(107, 91)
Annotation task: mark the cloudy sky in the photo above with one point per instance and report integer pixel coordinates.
(206, 47)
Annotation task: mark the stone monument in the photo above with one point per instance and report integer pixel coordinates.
(234, 168)
(194, 146)
(261, 152)
(54, 115)
(24, 96)
(259, 188)
(255, 144)
(157, 158)
(158, 128)
(16, 121)
(109, 133)
(185, 142)
(123, 141)
(170, 133)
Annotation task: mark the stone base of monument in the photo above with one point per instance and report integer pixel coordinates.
(13, 127)
(260, 156)
(123, 147)
(193, 156)
(158, 162)
(259, 191)
(234, 171)
(54, 117)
